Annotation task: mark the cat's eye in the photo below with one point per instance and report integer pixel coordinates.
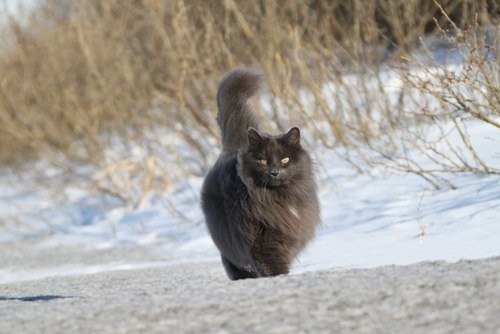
(263, 162)
(285, 160)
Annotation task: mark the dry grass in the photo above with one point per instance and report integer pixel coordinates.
(78, 76)
(444, 100)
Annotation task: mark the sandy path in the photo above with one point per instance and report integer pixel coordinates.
(435, 297)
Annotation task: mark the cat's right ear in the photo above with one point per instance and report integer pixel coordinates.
(293, 136)
(254, 137)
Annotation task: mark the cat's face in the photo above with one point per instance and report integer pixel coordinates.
(273, 161)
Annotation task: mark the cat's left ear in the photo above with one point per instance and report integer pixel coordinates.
(293, 136)
(254, 137)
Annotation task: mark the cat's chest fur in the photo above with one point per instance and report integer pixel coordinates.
(280, 211)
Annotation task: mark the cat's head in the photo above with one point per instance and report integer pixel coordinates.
(273, 161)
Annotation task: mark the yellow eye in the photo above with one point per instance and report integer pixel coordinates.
(285, 160)
(263, 162)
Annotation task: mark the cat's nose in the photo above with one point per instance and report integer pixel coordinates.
(274, 172)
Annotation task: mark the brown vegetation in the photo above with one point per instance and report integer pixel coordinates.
(78, 75)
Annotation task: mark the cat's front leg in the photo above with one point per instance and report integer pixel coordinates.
(235, 273)
(271, 253)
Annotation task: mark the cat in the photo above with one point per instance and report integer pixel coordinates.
(259, 199)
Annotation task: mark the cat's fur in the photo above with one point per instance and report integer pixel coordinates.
(259, 222)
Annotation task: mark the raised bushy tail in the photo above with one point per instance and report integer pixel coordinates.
(235, 114)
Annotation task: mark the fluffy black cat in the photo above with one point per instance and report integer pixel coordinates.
(259, 199)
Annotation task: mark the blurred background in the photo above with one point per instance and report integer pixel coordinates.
(117, 98)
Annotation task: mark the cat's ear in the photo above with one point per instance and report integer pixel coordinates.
(254, 137)
(293, 136)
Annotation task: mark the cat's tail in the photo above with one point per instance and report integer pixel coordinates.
(235, 114)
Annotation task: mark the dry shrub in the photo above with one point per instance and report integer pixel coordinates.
(79, 76)
(442, 100)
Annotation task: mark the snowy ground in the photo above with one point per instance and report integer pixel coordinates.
(429, 297)
(368, 221)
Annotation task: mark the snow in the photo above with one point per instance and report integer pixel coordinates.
(397, 221)
(377, 218)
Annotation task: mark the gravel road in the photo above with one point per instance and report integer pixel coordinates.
(431, 297)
